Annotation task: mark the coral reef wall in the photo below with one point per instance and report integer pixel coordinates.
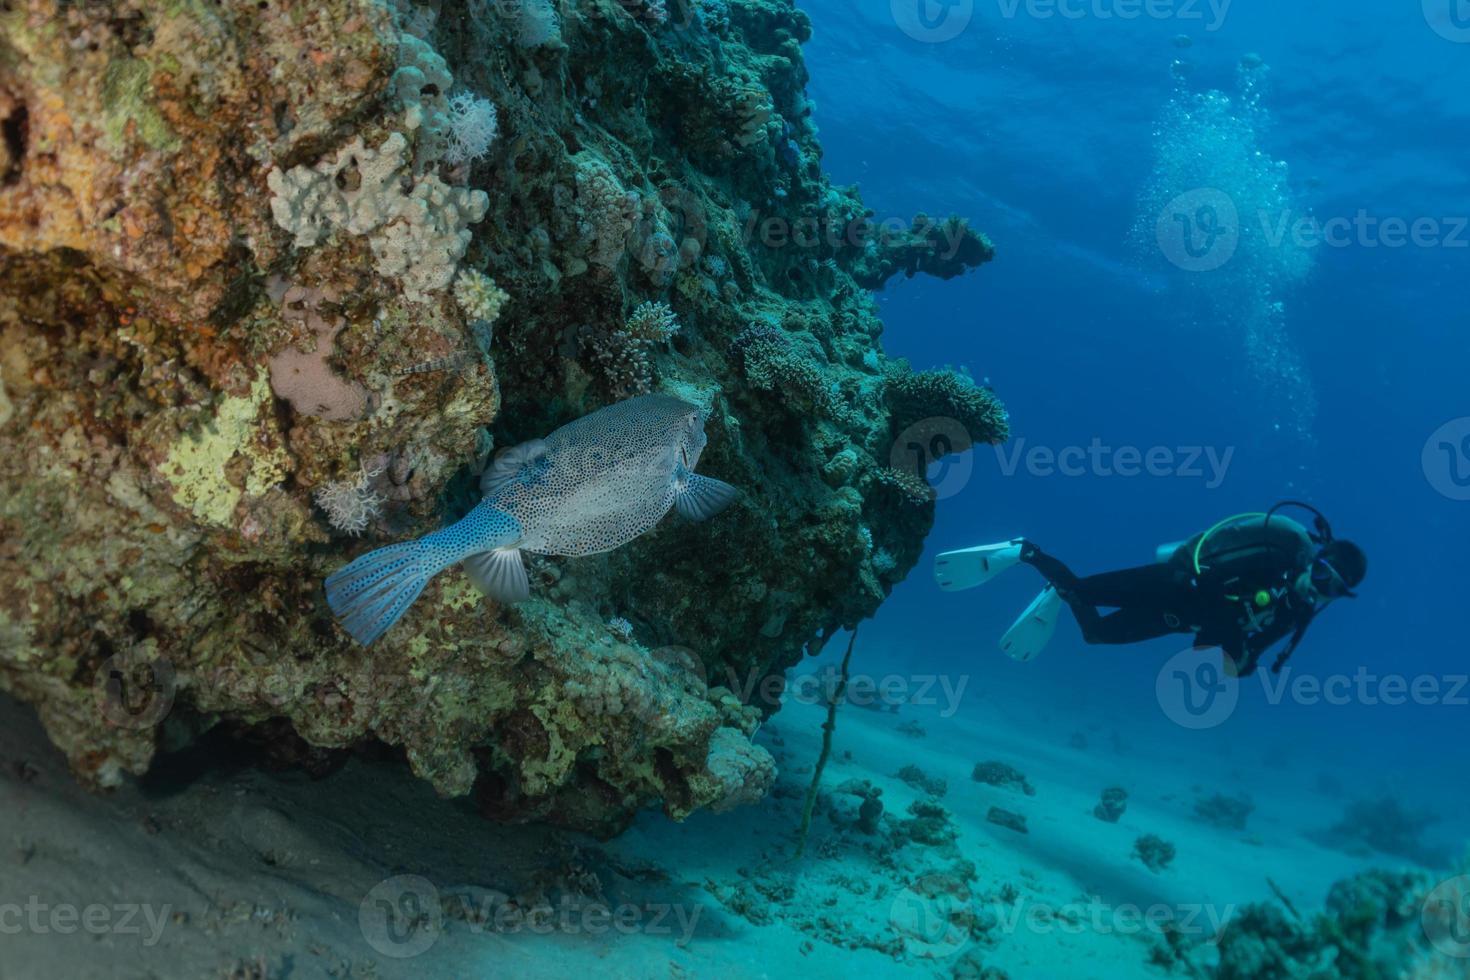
(276, 279)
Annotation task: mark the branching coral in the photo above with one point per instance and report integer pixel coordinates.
(608, 211)
(624, 363)
(914, 397)
(652, 322)
(944, 249)
(624, 354)
(908, 485)
(478, 296)
(771, 362)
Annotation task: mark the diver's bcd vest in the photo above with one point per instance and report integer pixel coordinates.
(1253, 561)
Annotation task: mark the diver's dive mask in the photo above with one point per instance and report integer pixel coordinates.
(1329, 582)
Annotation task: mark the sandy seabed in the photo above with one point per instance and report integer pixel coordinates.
(233, 871)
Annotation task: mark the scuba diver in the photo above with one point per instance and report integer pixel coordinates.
(1244, 585)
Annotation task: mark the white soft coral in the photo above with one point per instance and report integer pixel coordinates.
(351, 505)
(472, 124)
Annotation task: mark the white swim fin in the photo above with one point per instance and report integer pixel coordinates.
(956, 571)
(1030, 634)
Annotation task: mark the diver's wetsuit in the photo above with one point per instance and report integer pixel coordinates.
(1219, 604)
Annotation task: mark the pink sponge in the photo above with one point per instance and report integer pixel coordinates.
(304, 378)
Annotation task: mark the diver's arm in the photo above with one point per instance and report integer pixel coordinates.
(1259, 643)
(1238, 652)
(1296, 640)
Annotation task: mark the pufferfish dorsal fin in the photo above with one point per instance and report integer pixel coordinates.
(509, 463)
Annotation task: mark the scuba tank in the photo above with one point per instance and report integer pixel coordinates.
(1165, 552)
(1321, 535)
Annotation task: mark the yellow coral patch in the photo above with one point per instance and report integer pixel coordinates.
(196, 463)
(417, 648)
(538, 775)
(125, 91)
(459, 593)
(15, 638)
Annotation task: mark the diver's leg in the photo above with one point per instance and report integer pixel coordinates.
(1148, 586)
(1133, 625)
(1147, 601)
(1065, 581)
(1141, 595)
(1050, 568)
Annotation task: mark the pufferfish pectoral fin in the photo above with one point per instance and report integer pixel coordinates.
(703, 497)
(500, 574)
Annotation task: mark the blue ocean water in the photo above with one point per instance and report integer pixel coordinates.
(1329, 372)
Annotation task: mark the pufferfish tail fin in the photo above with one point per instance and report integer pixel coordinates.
(372, 593)
(702, 497)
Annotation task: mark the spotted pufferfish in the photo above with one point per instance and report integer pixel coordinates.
(589, 487)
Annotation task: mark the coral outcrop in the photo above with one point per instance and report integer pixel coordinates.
(1155, 852)
(1386, 826)
(1002, 775)
(1374, 924)
(1226, 812)
(249, 259)
(1112, 806)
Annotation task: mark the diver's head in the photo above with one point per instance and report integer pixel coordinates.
(1338, 569)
